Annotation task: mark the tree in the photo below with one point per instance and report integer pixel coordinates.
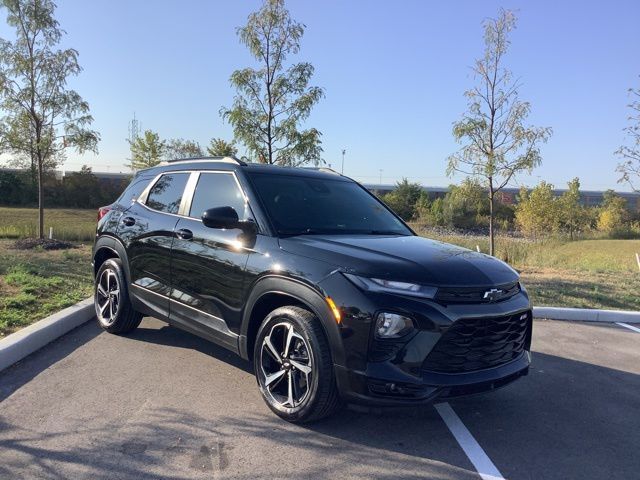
(41, 115)
(82, 189)
(180, 148)
(403, 198)
(274, 99)
(436, 214)
(497, 143)
(537, 211)
(147, 150)
(613, 213)
(630, 166)
(15, 189)
(221, 148)
(572, 215)
(465, 205)
(423, 208)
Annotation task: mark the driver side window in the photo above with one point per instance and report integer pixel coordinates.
(217, 190)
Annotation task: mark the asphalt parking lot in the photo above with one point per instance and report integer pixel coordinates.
(162, 403)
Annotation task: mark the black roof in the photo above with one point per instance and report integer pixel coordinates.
(233, 164)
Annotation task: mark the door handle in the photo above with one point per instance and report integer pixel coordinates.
(129, 221)
(184, 234)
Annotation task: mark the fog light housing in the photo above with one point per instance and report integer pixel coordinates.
(392, 325)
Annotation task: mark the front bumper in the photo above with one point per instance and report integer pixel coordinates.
(399, 374)
(376, 389)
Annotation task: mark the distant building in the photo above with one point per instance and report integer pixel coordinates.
(588, 198)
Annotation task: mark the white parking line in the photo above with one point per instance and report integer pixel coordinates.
(630, 327)
(471, 447)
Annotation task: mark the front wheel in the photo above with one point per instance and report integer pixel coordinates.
(292, 362)
(114, 311)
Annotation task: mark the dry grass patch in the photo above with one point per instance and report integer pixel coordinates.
(68, 224)
(561, 288)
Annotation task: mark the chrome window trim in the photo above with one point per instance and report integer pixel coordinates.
(188, 192)
(142, 199)
(217, 172)
(187, 195)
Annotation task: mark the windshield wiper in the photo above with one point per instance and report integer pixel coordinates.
(293, 233)
(387, 232)
(314, 231)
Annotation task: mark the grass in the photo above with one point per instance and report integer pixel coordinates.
(562, 288)
(561, 273)
(78, 225)
(37, 283)
(579, 255)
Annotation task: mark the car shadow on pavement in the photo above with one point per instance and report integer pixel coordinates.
(26, 369)
(169, 443)
(170, 336)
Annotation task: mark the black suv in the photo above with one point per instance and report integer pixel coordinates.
(303, 271)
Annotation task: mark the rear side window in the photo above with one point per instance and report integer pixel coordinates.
(134, 190)
(217, 190)
(166, 193)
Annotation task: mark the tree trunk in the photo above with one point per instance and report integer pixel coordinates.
(40, 201)
(491, 233)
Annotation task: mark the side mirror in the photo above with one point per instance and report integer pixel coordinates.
(220, 217)
(227, 217)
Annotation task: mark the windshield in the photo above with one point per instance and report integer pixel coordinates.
(305, 205)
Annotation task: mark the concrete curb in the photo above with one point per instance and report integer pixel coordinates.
(26, 341)
(586, 315)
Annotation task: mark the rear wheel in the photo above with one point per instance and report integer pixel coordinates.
(114, 311)
(293, 366)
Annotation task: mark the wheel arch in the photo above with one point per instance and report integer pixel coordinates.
(272, 292)
(110, 247)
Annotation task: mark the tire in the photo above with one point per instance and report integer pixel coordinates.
(298, 385)
(114, 311)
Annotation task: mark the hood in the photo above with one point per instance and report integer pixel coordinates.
(403, 258)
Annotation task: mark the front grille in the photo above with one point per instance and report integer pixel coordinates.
(477, 343)
(477, 294)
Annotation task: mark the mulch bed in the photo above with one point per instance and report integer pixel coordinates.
(44, 243)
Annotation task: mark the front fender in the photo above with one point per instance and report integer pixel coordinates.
(312, 297)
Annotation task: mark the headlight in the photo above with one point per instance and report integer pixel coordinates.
(392, 325)
(391, 286)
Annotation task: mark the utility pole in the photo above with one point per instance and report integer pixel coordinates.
(134, 130)
(342, 169)
(380, 177)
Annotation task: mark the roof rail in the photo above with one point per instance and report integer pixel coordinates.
(228, 159)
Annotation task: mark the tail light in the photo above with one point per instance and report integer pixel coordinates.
(102, 211)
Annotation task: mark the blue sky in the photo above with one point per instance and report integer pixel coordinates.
(394, 73)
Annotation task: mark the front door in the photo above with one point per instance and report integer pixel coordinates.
(208, 264)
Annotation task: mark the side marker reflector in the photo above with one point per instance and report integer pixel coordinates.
(334, 309)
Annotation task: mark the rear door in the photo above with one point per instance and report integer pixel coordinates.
(208, 264)
(146, 230)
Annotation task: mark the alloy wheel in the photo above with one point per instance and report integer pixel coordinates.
(286, 364)
(107, 297)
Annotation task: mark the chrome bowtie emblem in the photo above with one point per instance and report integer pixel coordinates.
(493, 294)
